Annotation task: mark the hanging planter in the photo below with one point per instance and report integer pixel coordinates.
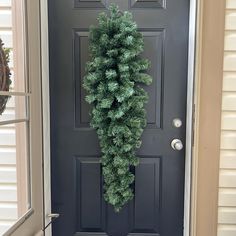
(5, 74)
(113, 80)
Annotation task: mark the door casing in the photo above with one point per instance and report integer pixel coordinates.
(207, 128)
(189, 115)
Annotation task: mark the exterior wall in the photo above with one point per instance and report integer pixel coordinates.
(227, 179)
(8, 188)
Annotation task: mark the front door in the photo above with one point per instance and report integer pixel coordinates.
(77, 194)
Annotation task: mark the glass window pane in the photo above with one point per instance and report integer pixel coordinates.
(12, 108)
(14, 174)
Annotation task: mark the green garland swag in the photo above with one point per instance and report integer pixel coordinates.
(113, 80)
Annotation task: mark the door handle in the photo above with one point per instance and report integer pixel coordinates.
(177, 144)
(53, 215)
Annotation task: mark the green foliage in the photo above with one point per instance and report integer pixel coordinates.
(113, 80)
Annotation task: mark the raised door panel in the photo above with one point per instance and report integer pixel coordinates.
(90, 3)
(145, 208)
(90, 202)
(153, 44)
(147, 3)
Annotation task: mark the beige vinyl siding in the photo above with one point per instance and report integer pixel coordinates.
(227, 179)
(8, 188)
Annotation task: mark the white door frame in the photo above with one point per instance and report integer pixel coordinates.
(46, 114)
(189, 117)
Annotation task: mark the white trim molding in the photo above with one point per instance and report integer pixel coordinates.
(46, 114)
(190, 116)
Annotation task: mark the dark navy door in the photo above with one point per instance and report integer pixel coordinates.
(157, 208)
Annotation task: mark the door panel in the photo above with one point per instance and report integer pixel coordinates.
(90, 211)
(147, 4)
(77, 192)
(145, 211)
(153, 44)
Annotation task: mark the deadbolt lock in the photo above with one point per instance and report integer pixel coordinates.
(177, 123)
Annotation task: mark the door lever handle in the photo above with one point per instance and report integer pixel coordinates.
(53, 215)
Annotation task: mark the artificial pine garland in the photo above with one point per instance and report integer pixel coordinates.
(113, 80)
